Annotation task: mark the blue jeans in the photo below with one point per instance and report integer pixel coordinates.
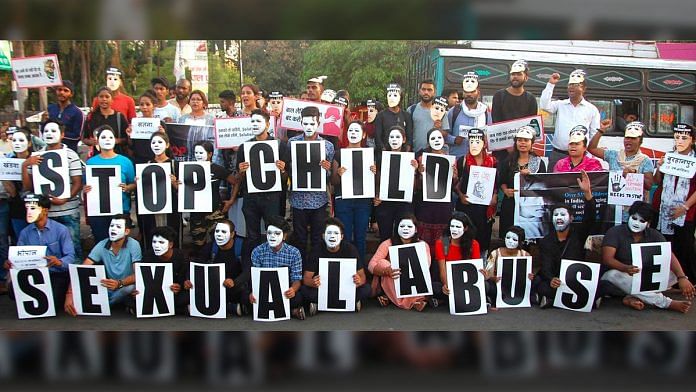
(72, 222)
(4, 234)
(120, 296)
(355, 216)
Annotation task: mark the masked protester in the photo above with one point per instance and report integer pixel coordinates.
(122, 102)
(577, 159)
(373, 107)
(68, 113)
(22, 148)
(430, 112)
(617, 255)
(107, 156)
(334, 246)
(105, 114)
(470, 113)
(275, 110)
(393, 115)
(140, 148)
(514, 240)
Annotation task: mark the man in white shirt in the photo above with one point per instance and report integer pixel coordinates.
(569, 112)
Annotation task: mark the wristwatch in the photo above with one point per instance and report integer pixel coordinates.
(120, 284)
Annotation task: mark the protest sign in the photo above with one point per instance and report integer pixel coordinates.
(412, 260)
(232, 132)
(358, 181)
(104, 199)
(154, 188)
(337, 289)
(52, 175)
(654, 260)
(679, 165)
(624, 191)
(33, 292)
(208, 295)
(437, 177)
(195, 193)
(268, 287)
(142, 128)
(307, 173)
(155, 297)
(263, 175)
(479, 189)
(501, 135)
(466, 286)
(11, 169)
(90, 296)
(36, 71)
(330, 116)
(25, 257)
(578, 287)
(514, 285)
(397, 176)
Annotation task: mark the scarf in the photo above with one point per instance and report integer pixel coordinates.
(632, 162)
(675, 191)
(478, 114)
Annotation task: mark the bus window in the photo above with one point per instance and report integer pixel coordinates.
(605, 108)
(665, 115)
(625, 111)
(549, 119)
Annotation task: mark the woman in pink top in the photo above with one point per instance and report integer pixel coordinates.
(577, 159)
(405, 232)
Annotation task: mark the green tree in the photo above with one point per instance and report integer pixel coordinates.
(275, 65)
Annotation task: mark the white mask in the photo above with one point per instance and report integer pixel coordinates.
(355, 133)
(160, 245)
(222, 234)
(636, 223)
(309, 125)
(561, 219)
(200, 154)
(332, 236)
(33, 212)
(19, 142)
(456, 228)
(113, 82)
(258, 124)
(158, 145)
(406, 229)
(371, 113)
(396, 139)
(436, 141)
(393, 98)
(475, 146)
(437, 111)
(274, 236)
(107, 141)
(512, 240)
(117, 229)
(51, 133)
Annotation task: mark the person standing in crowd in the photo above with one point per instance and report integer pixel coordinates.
(249, 96)
(181, 99)
(420, 113)
(106, 115)
(333, 247)
(343, 102)
(405, 232)
(68, 113)
(228, 101)
(393, 115)
(202, 125)
(354, 213)
(513, 102)
(107, 156)
(577, 159)
(164, 110)
(116, 253)
(677, 203)
(275, 253)
(471, 113)
(481, 215)
(618, 257)
(237, 281)
(522, 160)
(140, 148)
(122, 102)
(275, 109)
(310, 208)
(452, 97)
(373, 107)
(457, 243)
(65, 211)
(60, 249)
(22, 148)
(570, 112)
(514, 240)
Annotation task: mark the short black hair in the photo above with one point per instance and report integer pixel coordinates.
(57, 121)
(260, 112)
(520, 234)
(426, 81)
(206, 144)
(336, 222)
(227, 94)
(279, 222)
(561, 205)
(102, 128)
(228, 222)
(310, 111)
(449, 91)
(643, 209)
(126, 217)
(165, 232)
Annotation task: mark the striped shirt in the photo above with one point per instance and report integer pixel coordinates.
(72, 206)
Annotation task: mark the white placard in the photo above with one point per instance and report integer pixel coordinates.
(191, 198)
(654, 260)
(422, 254)
(11, 169)
(154, 192)
(284, 278)
(143, 270)
(202, 290)
(479, 189)
(511, 267)
(25, 257)
(100, 299)
(305, 175)
(113, 205)
(679, 165)
(501, 135)
(330, 116)
(346, 287)
(624, 191)
(37, 71)
(437, 187)
(397, 183)
(350, 188)
(262, 166)
(577, 271)
(143, 127)
(466, 283)
(32, 280)
(48, 175)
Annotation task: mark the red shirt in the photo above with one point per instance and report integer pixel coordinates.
(455, 252)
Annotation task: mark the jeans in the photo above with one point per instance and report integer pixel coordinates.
(72, 222)
(4, 234)
(316, 219)
(120, 296)
(256, 207)
(355, 216)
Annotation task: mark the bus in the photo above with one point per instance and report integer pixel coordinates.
(625, 80)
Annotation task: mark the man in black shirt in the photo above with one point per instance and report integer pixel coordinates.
(333, 247)
(393, 115)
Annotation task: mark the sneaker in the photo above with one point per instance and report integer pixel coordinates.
(433, 302)
(238, 310)
(358, 306)
(597, 303)
(231, 308)
(544, 303)
(130, 310)
(313, 308)
(298, 313)
(244, 309)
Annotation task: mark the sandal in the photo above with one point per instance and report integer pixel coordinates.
(419, 305)
(299, 313)
(383, 300)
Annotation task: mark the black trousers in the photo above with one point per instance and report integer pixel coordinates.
(386, 213)
(315, 219)
(683, 247)
(256, 207)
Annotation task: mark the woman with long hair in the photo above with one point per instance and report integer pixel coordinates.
(142, 152)
(105, 114)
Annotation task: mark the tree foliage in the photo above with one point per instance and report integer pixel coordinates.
(275, 65)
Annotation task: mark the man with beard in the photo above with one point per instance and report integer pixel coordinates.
(513, 101)
(181, 100)
(469, 114)
(227, 104)
(393, 115)
(67, 112)
(421, 116)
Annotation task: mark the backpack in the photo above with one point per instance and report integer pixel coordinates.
(456, 109)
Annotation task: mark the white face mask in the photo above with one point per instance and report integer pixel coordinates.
(51, 133)
(274, 236)
(222, 234)
(158, 145)
(160, 245)
(309, 125)
(396, 139)
(636, 223)
(436, 141)
(371, 113)
(33, 212)
(393, 98)
(355, 133)
(512, 240)
(470, 84)
(107, 141)
(437, 111)
(117, 229)
(258, 124)
(113, 82)
(200, 154)
(19, 142)
(406, 229)
(456, 229)
(561, 219)
(332, 236)
(475, 146)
